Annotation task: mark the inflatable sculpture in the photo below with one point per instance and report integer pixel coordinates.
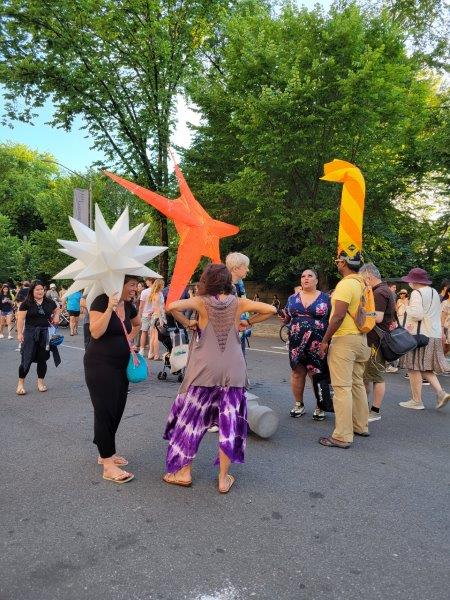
(352, 204)
(199, 232)
(104, 256)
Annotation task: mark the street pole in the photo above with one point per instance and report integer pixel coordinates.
(90, 205)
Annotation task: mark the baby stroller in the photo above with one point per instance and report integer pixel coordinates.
(63, 319)
(170, 335)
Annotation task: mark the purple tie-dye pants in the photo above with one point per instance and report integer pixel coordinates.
(194, 412)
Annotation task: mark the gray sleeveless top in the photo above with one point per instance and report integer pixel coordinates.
(215, 354)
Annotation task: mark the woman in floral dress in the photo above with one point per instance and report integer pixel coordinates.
(306, 314)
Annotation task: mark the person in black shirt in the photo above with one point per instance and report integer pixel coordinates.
(385, 317)
(105, 366)
(6, 310)
(22, 293)
(34, 317)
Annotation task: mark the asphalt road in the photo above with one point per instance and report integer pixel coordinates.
(301, 522)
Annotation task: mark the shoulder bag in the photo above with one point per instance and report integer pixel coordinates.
(395, 343)
(323, 391)
(422, 340)
(137, 369)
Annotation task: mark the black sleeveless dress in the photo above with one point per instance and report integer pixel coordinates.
(105, 364)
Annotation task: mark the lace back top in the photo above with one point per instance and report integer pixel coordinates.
(215, 354)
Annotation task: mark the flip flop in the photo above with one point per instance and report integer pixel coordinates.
(171, 479)
(123, 477)
(230, 483)
(332, 443)
(120, 461)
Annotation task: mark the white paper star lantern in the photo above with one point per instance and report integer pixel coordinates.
(105, 256)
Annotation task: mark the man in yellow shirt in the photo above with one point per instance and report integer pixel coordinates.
(348, 353)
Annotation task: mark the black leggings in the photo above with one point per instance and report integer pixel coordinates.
(41, 358)
(108, 388)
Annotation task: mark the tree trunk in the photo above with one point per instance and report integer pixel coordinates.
(164, 257)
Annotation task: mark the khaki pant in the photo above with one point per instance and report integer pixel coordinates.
(347, 359)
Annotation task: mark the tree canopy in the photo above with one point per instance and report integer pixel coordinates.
(283, 95)
(118, 64)
(280, 93)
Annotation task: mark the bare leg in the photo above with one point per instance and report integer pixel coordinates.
(434, 381)
(143, 340)
(9, 324)
(298, 379)
(224, 466)
(155, 342)
(2, 325)
(72, 325)
(379, 390)
(415, 381)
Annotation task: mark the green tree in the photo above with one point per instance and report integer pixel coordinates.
(9, 250)
(118, 64)
(284, 95)
(24, 174)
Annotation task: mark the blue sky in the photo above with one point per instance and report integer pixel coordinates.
(73, 148)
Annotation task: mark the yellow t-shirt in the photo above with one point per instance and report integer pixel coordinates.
(348, 290)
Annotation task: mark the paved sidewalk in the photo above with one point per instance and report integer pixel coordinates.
(302, 522)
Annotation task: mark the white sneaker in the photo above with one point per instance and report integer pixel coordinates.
(213, 429)
(442, 400)
(1, 336)
(10, 337)
(374, 416)
(412, 404)
(297, 411)
(391, 369)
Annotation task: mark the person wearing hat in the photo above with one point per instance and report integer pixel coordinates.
(52, 294)
(347, 356)
(425, 362)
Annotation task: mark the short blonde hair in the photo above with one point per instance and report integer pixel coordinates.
(234, 260)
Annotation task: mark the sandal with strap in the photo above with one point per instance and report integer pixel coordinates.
(20, 391)
(171, 479)
(230, 480)
(122, 477)
(120, 461)
(42, 388)
(330, 442)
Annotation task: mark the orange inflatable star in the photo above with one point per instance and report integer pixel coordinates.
(199, 232)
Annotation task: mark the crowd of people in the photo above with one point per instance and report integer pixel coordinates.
(327, 343)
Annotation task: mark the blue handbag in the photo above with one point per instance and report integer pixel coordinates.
(137, 369)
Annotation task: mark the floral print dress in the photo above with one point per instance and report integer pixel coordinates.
(307, 326)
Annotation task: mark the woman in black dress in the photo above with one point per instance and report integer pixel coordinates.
(105, 364)
(34, 317)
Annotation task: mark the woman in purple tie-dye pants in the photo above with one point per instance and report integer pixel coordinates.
(213, 389)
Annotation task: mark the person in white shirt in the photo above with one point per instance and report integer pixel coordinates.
(145, 313)
(424, 317)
